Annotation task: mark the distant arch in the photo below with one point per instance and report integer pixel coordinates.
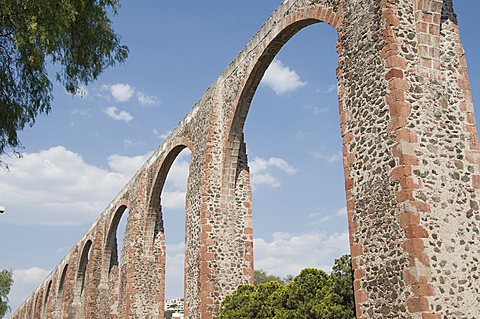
(111, 245)
(30, 306)
(155, 220)
(60, 291)
(45, 300)
(82, 267)
(37, 305)
(154, 217)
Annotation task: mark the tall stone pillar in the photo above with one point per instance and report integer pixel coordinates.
(411, 161)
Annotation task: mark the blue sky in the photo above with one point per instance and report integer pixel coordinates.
(77, 158)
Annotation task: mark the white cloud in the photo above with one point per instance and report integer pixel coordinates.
(29, 276)
(118, 115)
(128, 143)
(147, 100)
(287, 254)
(320, 218)
(174, 270)
(263, 171)
(342, 211)
(265, 179)
(25, 281)
(121, 92)
(329, 89)
(173, 199)
(57, 187)
(299, 134)
(80, 112)
(330, 158)
(334, 157)
(126, 165)
(281, 79)
(316, 109)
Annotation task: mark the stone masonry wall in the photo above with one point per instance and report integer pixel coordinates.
(412, 178)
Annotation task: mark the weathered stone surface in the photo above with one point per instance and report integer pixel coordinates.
(412, 178)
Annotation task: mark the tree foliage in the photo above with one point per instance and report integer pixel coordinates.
(261, 276)
(74, 35)
(313, 294)
(6, 282)
(342, 277)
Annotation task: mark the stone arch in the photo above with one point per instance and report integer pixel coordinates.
(37, 305)
(236, 192)
(235, 167)
(46, 299)
(29, 307)
(59, 304)
(285, 30)
(155, 240)
(113, 278)
(154, 221)
(111, 246)
(81, 278)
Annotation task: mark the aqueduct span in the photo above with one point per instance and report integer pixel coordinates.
(412, 178)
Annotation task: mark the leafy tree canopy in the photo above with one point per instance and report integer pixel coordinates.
(313, 294)
(6, 282)
(261, 276)
(75, 35)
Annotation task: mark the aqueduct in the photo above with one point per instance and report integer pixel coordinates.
(412, 178)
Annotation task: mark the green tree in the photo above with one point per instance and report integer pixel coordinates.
(342, 280)
(313, 294)
(6, 282)
(76, 36)
(260, 276)
(252, 302)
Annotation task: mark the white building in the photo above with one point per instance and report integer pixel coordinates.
(175, 305)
